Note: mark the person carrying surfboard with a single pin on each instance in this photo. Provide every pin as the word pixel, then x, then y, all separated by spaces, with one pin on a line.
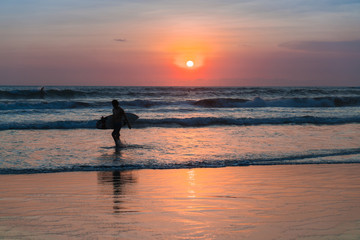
pixel 119 117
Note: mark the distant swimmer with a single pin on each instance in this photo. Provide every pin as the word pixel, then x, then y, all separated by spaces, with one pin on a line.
pixel 119 117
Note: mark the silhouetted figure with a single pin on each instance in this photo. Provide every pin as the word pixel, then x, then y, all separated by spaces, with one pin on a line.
pixel 42 92
pixel 119 117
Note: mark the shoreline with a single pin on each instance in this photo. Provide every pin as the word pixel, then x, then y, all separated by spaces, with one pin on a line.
pixel 90 169
pixel 256 202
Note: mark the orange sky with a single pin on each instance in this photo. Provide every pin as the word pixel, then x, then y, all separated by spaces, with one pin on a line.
pixel 232 43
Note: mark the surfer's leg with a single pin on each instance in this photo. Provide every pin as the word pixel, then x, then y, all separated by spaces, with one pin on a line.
pixel 116 134
pixel 113 134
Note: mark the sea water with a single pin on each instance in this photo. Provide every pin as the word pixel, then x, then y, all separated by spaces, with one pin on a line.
pixel 179 127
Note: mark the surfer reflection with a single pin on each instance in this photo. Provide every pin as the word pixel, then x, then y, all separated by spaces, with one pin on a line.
pixel 119 181
pixel 119 118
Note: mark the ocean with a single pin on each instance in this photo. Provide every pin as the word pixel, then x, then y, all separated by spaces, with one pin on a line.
pixel 179 127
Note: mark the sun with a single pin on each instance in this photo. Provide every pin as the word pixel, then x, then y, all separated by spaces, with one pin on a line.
pixel 189 64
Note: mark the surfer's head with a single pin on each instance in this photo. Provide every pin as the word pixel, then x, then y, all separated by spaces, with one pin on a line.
pixel 115 103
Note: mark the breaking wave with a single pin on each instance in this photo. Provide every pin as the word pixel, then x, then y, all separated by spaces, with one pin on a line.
pixel 185 122
pixel 320 102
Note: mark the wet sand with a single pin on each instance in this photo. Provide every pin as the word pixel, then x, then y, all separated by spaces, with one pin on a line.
pixel 255 202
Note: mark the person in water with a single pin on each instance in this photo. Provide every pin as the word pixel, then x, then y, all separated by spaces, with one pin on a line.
pixel 119 117
pixel 42 92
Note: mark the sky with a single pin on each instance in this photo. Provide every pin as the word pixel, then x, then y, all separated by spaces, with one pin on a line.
pixel 147 43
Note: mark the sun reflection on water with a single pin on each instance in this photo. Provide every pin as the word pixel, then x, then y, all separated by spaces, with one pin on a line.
pixel 191 183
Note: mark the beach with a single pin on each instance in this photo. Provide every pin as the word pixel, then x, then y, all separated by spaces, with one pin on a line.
pixel 250 202
pixel 199 163
pixel 185 120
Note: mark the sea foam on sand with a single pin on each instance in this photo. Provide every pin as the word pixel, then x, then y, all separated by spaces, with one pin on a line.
pixel 254 202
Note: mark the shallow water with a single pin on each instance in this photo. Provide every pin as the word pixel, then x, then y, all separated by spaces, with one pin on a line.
pixel 253 202
pixel 31 151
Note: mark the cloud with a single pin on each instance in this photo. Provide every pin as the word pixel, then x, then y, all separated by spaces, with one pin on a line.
pixel 323 46
pixel 120 40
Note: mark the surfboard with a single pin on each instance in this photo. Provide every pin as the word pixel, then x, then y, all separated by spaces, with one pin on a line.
pixel 107 122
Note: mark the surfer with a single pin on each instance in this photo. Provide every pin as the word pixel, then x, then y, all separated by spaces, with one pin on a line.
pixel 42 92
pixel 119 117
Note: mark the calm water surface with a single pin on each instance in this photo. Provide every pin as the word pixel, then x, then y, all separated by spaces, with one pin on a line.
pixel 254 202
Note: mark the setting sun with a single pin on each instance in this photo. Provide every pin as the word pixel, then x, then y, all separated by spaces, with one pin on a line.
pixel 188 54
pixel 189 64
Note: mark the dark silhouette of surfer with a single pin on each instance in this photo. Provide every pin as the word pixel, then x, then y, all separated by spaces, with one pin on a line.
pixel 42 92
pixel 119 117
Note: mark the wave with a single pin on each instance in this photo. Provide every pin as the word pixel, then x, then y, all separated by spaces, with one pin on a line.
pixel 62 104
pixel 282 102
pixel 212 121
pixel 185 122
pixel 322 102
pixel 37 94
pixel 97 92
pixel 46 105
pixel 141 92
pixel 49 125
pixel 310 158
